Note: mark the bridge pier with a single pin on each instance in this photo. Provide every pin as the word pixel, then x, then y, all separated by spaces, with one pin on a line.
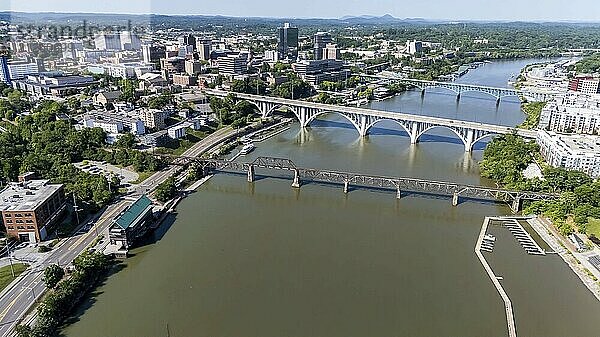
pixel 469 141
pixel 516 205
pixel 455 199
pixel 363 126
pixel 458 97
pixel 251 173
pixel 296 182
pixel 346 186
pixel 398 193
pixel 413 133
pixel 497 101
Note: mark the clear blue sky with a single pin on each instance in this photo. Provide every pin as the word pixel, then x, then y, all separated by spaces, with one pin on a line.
pixel 550 10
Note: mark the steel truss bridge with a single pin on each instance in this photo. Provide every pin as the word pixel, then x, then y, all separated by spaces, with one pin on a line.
pixel 347 179
pixel 457 88
pixel 364 119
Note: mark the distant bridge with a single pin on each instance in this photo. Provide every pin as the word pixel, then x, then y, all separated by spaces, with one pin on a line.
pixel 457 88
pixel 399 184
pixel 364 119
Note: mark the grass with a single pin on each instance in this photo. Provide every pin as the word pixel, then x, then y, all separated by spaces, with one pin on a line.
pixel 6 276
pixel 142 176
pixel 593 227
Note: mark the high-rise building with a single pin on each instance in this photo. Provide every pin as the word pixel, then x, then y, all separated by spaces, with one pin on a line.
pixel 130 41
pixel 193 67
pixel 331 52
pixel 20 69
pixel 287 41
pixel 187 40
pixel 585 84
pixel 104 41
pixel 232 65
pixel 321 40
pixel 4 73
pixel 572 152
pixel 153 53
pixel 204 47
pixel 413 47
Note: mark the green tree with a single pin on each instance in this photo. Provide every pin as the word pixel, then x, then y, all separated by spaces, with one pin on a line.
pixel 52 275
pixel 166 190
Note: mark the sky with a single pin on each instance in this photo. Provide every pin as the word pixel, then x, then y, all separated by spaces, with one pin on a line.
pixel 525 10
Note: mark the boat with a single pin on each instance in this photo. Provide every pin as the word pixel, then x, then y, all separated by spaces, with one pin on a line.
pixel 489 237
pixel 247 148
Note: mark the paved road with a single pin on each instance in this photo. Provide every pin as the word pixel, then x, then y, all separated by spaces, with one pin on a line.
pixel 16 300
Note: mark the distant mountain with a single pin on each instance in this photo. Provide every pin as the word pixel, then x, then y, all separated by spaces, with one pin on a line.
pixel 384 19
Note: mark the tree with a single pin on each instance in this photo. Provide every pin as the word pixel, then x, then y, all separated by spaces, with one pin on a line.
pixel 125 141
pixel 166 190
pixel 52 275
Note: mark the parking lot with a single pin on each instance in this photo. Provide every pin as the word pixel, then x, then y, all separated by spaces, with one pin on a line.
pixel 94 167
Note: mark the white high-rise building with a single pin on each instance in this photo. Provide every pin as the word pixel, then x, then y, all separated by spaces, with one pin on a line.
pixel 20 69
pixel 572 113
pixel 130 41
pixel 104 41
pixel 572 152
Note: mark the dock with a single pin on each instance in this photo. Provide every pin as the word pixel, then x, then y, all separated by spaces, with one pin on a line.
pixel 510 318
pixel 524 239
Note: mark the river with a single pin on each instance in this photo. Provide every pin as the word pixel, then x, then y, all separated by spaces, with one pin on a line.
pixel 267 260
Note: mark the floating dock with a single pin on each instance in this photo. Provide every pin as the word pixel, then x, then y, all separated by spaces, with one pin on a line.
pixel 510 318
pixel 526 241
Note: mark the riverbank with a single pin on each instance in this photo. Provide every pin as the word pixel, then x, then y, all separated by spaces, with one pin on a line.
pixel 576 261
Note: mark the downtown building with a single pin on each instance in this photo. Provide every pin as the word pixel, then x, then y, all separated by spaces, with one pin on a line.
pixel 572 112
pixel 287 42
pixel 318 71
pixel 572 152
pixel 233 64
pixel 30 209
pixel 321 40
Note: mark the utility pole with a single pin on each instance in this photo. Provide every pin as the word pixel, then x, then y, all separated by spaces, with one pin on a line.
pixel 12 269
pixel 75 208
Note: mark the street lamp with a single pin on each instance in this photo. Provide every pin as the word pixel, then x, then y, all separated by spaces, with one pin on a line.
pixel 32 292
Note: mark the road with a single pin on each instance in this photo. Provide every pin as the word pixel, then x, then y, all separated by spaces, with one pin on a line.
pixel 21 295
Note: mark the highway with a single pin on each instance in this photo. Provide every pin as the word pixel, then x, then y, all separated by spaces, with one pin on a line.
pixel 22 294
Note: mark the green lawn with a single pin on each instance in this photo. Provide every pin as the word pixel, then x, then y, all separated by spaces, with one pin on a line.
pixel 593 227
pixel 6 275
pixel 142 176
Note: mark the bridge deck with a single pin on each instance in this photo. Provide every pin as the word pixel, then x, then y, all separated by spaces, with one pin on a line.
pixel 401 184
pixel 498 129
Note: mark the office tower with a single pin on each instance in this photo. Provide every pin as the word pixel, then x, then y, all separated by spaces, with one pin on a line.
pixel 203 47
pixel 4 73
pixel 130 41
pixel 321 39
pixel 287 41
pixel 105 41
pixel 331 52
pixel 413 47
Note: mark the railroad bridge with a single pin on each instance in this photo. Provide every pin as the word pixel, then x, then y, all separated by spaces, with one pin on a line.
pixel 457 88
pixel 364 119
pixel 400 184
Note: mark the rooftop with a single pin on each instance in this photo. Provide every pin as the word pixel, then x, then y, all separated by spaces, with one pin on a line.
pixel 129 216
pixel 26 196
pixel 586 145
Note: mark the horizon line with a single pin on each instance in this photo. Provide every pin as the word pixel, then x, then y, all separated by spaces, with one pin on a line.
pixel 342 18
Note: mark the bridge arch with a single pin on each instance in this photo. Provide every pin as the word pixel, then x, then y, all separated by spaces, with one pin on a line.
pixel 369 126
pixel 421 133
pixel 436 86
pixel 277 106
pixel 314 116
pixel 465 90
pixel 476 140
